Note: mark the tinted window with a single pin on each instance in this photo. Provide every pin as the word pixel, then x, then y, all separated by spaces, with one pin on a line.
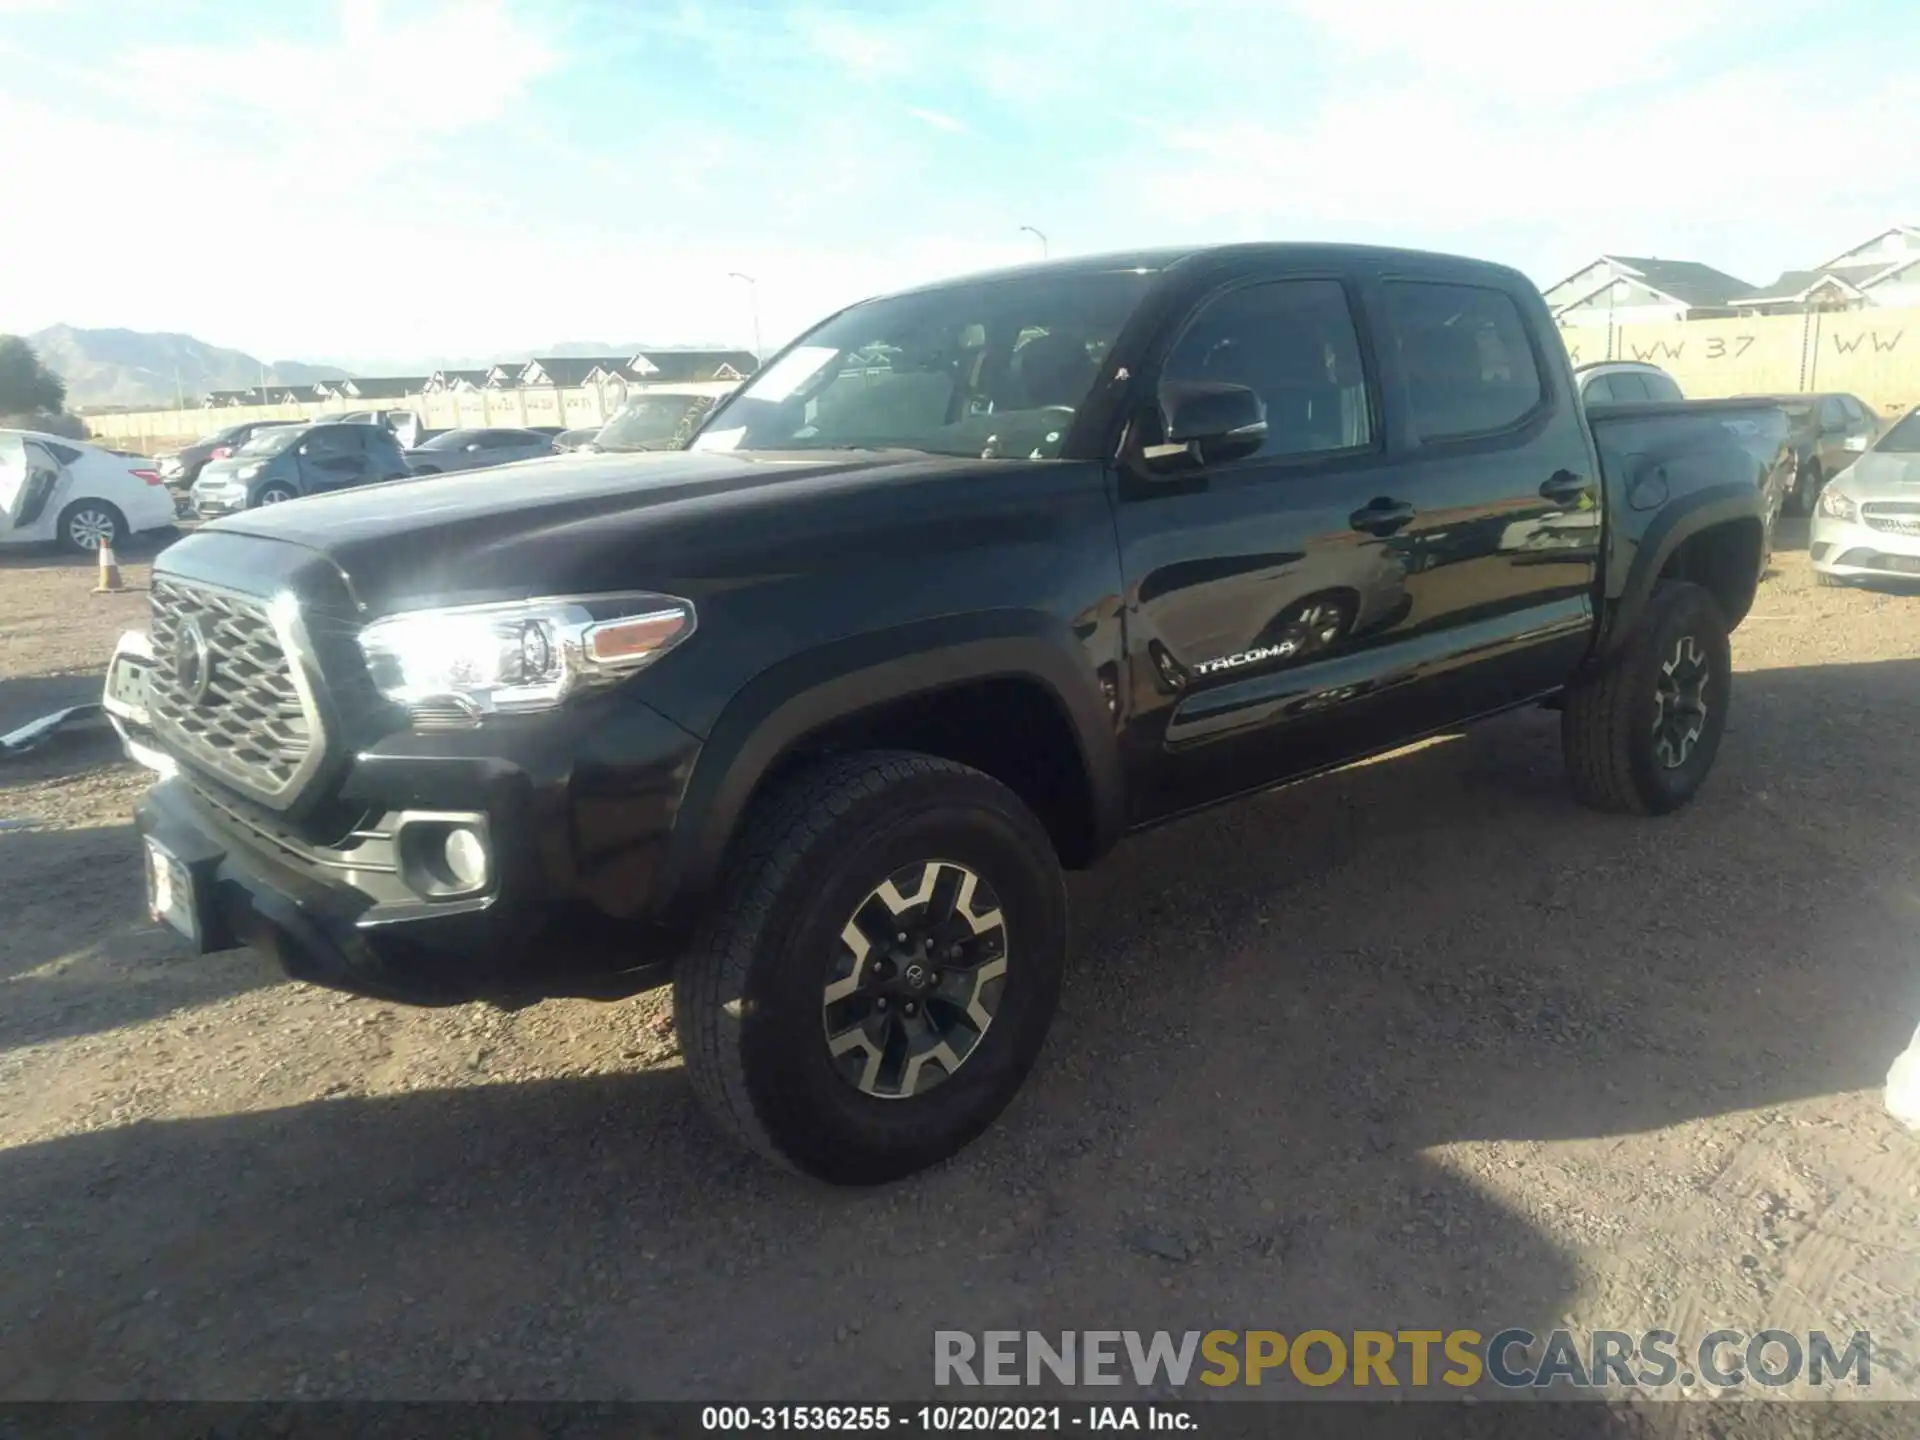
pixel 1661 387
pixel 1599 391
pixel 334 440
pixel 508 440
pixel 1292 342
pixel 1831 415
pixel 452 440
pixel 1464 352
pixel 1855 409
pixel 65 454
pixel 1629 389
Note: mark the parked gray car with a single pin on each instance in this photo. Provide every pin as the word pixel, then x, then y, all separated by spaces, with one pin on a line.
pixel 1866 523
pixel 477 449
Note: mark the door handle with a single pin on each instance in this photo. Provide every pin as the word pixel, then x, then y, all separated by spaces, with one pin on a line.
pixel 1563 487
pixel 1381 517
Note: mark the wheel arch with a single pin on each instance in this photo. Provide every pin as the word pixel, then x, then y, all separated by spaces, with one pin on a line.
pixel 928 686
pixel 1714 536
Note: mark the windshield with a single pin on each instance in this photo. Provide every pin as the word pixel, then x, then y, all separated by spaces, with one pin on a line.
pixel 654 422
pixel 992 368
pixel 452 440
pixel 1904 437
pixel 271 442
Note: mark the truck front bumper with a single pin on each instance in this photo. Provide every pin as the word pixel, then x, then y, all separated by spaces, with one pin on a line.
pixel 563 903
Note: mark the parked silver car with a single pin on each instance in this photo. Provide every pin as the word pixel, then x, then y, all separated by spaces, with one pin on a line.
pixel 477 449
pixel 1866 522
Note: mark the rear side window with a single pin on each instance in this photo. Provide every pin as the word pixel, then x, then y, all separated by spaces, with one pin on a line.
pixel 1630 389
pixel 1464 352
pixel 1293 343
pixel 1831 413
pixel 1599 391
pixel 1660 387
pixel 65 454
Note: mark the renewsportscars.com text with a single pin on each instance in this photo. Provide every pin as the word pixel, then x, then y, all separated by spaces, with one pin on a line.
pixel 1513 1358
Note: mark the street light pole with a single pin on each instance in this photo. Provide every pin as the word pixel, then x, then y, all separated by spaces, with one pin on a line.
pixel 753 303
pixel 1038 236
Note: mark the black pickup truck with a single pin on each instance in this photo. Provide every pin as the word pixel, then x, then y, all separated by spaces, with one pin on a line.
pixel 962 587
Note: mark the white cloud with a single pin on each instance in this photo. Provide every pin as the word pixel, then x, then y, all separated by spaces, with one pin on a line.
pixel 395 79
pixel 938 120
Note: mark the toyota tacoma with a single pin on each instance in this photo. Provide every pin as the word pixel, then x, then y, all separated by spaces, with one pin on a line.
pixel 962 587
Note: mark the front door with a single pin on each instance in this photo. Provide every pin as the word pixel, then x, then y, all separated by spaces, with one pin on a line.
pixel 1262 603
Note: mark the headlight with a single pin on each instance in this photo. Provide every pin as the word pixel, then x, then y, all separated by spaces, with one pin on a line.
pixel 527 655
pixel 1838 505
pixel 248 471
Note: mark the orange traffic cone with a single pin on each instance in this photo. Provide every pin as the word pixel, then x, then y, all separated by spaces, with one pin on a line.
pixel 109 572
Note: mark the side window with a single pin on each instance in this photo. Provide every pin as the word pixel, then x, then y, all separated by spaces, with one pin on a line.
pixel 503 439
pixel 1599 391
pixel 1293 343
pixel 1464 352
pixel 65 454
pixel 1630 389
pixel 1832 417
pixel 1855 410
pixel 1660 387
pixel 324 444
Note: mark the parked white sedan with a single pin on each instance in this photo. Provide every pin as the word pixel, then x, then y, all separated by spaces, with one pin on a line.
pixel 75 494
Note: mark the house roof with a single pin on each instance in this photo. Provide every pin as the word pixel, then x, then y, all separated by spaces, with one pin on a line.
pixel 383 387
pixel 682 366
pixel 1909 230
pixel 1797 284
pixel 447 379
pixel 565 370
pixel 1685 280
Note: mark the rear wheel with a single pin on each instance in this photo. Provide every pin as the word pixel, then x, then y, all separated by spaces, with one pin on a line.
pixel 1641 736
pixel 879 974
pixel 86 525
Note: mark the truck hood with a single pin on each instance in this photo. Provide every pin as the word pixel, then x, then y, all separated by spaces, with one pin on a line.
pixel 1881 475
pixel 562 524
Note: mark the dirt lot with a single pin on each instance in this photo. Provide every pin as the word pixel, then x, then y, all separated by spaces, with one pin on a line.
pixel 1420 1044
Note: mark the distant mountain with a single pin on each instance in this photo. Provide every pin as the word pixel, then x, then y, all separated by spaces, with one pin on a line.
pixel 132 367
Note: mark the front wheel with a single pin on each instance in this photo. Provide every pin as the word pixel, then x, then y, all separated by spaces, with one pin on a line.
pixel 1641 736
pixel 86 525
pixel 275 494
pixel 880 971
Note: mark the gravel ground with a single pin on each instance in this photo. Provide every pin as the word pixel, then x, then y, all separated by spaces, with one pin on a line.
pixel 1419 1044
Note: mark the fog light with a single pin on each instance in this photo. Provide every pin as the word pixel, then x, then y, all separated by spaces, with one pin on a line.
pixel 465 854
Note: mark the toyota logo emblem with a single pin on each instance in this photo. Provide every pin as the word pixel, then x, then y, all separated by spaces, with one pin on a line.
pixel 192 661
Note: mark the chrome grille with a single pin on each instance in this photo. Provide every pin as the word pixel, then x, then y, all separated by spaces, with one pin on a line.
pixel 249 724
pixel 1893 519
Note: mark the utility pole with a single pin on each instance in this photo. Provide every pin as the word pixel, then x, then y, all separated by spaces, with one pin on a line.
pixel 1028 229
pixel 753 303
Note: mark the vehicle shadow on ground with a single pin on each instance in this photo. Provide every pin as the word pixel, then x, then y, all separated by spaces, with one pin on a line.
pixel 1284 1023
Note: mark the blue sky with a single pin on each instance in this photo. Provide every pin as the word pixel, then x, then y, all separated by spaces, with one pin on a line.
pixel 377 179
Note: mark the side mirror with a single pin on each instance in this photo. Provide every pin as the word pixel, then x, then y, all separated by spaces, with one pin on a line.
pixel 1207 423
pixel 472 445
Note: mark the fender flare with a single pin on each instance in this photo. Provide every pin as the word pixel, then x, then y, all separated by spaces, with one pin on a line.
pixel 800 695
pixel 1677 522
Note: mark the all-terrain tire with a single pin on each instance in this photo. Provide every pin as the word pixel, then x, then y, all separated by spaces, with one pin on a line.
pixel 748 994
pixel 1609 728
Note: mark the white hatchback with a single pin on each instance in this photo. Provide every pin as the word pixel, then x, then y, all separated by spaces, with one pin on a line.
pixel 75 494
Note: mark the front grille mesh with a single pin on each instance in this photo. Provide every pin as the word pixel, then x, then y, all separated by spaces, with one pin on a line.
pixel 250 727
pixel 1893 519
